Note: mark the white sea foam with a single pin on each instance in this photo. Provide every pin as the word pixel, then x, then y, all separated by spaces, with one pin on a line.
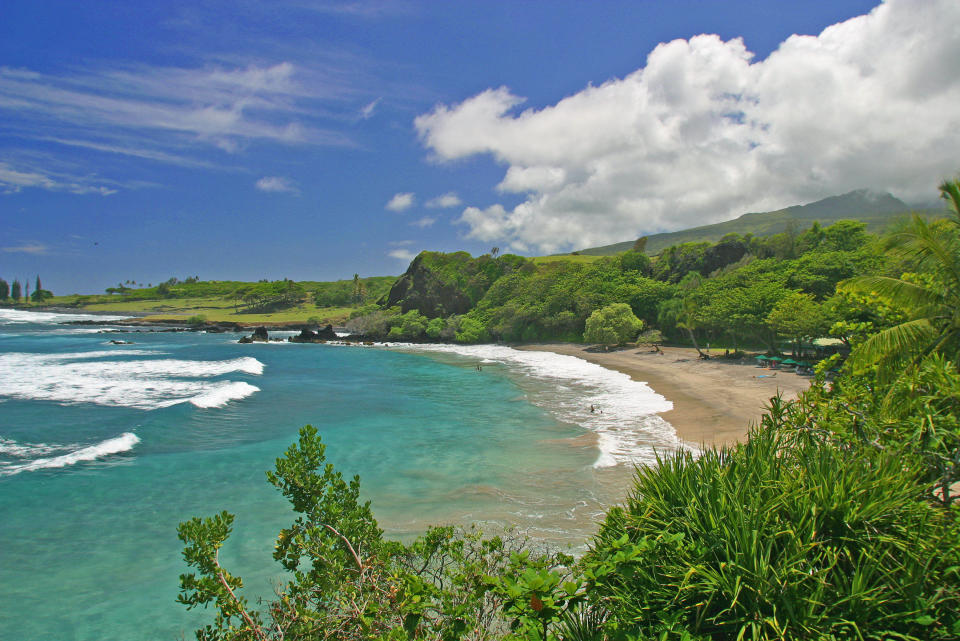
pixel 90 377
pixel 222 393
pixel 29 450
pixel 123 443
pixel 19 317
pixel 626 422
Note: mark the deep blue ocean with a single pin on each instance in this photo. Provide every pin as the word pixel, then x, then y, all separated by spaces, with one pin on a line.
pixel 105 448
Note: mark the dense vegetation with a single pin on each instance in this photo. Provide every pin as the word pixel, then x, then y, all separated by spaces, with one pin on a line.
pixel 737 291
pixel 835 520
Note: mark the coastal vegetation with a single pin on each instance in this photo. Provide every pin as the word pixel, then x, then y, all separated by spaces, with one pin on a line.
pixel 740 291
pixel 836 519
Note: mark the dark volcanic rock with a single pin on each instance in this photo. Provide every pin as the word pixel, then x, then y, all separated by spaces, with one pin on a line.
pixel 319 336
pixel 421 289
pixel 259 336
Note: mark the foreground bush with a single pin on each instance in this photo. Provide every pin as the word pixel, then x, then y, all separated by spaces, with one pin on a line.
pixel 789 536
pixel 345 581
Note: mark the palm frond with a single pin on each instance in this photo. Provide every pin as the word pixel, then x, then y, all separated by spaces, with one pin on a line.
pixel 928 247
pixel 950 191
pixel 894 346
pixel 902 293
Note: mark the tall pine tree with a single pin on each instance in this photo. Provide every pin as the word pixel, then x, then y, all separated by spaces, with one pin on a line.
pixel 4 290
pixel 15 290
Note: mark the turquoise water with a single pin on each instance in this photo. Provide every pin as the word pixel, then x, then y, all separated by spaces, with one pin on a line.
pixel 105 448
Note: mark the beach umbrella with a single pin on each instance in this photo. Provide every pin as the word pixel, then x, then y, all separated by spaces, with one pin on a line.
pixel 789 361
pixel 776 359
pixel 804 364
pixel 762 357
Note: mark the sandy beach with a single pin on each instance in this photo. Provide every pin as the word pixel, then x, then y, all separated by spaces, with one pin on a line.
pixel 714 401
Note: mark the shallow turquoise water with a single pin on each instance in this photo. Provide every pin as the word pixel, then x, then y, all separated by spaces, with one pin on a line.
pixel 104 451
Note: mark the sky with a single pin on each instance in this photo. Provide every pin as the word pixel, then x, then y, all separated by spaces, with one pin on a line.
pixel 244 140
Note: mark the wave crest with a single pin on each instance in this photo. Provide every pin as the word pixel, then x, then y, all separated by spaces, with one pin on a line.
pixel 123 443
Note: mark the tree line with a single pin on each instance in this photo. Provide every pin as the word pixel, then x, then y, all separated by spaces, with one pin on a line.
pixel 740 291
pixel 18 292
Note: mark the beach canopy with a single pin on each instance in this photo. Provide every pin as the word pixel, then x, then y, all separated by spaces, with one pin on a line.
pixel 762 357
pixel 789 361
pixel 804 364
pixel 774 358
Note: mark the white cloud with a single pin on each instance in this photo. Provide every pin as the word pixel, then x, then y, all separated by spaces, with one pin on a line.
pixel 156 108
pixel 444 201
pixel 13 180
pixel 401 201
pixel 400 243
pixel 422 223
pixel 27 248
pixel 402 254
pixel 277 184
pixel 367 111
pixel 703 132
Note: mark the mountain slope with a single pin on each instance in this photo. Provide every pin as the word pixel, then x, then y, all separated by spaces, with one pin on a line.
pixel 877 210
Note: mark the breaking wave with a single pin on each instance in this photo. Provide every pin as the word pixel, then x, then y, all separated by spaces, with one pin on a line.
pixel 123 443
pixel 626 422
pixel 93 377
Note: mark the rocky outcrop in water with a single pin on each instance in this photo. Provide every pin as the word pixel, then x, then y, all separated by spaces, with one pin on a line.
pixel 319 336
pixel 259 336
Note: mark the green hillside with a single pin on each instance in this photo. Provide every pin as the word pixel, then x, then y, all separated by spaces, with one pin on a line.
pixel 878 211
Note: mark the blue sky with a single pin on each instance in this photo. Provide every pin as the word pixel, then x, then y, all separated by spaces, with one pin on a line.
pixel 308 140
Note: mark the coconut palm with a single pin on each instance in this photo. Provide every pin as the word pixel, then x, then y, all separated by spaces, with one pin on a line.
pixel 931 297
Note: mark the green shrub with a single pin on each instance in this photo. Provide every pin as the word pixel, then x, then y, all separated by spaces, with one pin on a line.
pixel 788 536
pixel 613 325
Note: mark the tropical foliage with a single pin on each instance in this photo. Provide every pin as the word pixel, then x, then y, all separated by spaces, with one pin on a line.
pixel 930 291
pixel 836 519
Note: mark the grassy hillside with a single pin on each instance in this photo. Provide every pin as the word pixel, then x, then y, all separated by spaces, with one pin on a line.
pixel 236 301
pixel 878 211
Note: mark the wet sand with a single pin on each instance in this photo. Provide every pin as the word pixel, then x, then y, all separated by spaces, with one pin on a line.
pixel 714 401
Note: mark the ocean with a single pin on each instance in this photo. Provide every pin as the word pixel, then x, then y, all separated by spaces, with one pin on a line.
pixel 105 448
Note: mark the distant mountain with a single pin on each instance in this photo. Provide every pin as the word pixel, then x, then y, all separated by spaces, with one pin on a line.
pixel 876 209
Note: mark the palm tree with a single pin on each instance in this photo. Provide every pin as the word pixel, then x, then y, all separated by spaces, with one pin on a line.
pixel 932 297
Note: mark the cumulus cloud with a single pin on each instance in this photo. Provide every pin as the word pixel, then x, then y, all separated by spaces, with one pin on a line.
pixel 400 202
pixel 277 184
pixel 704 132
pixel 445 201
pixel 402 254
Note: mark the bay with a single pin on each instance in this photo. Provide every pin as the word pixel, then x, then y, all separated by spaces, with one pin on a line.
pixel 105 448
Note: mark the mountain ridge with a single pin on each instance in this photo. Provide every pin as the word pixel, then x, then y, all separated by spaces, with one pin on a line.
pixel 877 209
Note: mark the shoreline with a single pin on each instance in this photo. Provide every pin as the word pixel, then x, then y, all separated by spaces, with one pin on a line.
pixel 714 401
